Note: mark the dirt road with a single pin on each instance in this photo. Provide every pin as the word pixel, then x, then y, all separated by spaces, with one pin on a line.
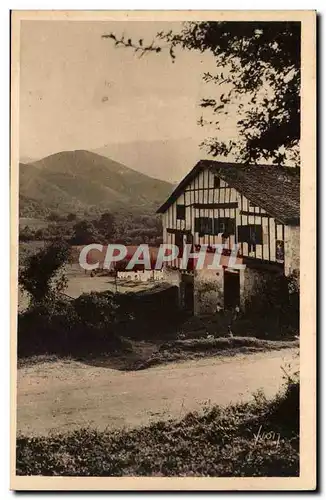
pixel 66 395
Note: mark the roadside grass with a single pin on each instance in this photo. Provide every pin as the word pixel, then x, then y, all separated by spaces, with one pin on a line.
pixel 180 350
pixel 141 355
pixel 225 343
pixel 260 438
pixel 39 359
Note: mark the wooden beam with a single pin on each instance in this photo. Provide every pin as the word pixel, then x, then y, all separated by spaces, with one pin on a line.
pixel 254 214
pixel 253 263
pixel 177 231
pixel 216 205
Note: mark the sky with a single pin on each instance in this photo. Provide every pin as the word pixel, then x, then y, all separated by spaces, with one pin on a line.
pixel 77 91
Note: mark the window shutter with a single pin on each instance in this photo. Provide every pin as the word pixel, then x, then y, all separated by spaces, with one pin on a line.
pixel 178 241
pixel 243 234
pixel 259 234
pixel 230 226
pixel 208 225
pixel 216 227
pixel 181 212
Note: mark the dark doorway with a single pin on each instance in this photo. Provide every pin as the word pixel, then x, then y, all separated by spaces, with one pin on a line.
pixel 231 289
pixel 189 296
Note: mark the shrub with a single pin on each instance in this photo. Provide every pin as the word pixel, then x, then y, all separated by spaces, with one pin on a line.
pixel 275 306
pixel 41 276
pixel 46 327
pixel 85 233
pixel 61 326
pixel 97 310
pixel 26 234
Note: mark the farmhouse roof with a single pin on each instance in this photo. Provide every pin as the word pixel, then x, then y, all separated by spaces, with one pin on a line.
pixel 274 188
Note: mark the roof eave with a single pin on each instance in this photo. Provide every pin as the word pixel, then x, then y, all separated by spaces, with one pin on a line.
pixel 173 196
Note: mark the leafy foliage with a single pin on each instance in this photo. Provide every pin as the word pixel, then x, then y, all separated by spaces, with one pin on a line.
pixel 126 228
pixel 26 234
pixel 84 233
pixel 258 70
pixel 100 310
pixel 105 225
pixel 85 326
pixel 277 299
pixel 41 276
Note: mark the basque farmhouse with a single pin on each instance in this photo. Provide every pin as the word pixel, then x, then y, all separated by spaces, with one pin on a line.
pixel 256 207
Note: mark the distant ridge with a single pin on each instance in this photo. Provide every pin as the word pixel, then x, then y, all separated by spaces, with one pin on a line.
pixel 80 181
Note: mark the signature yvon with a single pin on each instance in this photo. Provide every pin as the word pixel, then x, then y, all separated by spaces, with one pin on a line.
pixel 267 436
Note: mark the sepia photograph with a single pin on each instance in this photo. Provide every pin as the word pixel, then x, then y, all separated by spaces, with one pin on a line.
pixel 163 198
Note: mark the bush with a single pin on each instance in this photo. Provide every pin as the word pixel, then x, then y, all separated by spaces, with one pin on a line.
pixel 284 411
pixel 46 327
pixel 26 234
pixel 94 323
pixel 97 310
pixel 275 307
pixel 61 326
pixel 85 233
pixel 42 275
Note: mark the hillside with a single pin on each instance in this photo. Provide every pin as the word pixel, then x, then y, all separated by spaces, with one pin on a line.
pixel 81 181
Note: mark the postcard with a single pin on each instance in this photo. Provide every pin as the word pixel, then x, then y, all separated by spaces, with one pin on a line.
pixel 163 250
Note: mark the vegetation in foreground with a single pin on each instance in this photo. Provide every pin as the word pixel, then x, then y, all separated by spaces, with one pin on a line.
pixel 260 438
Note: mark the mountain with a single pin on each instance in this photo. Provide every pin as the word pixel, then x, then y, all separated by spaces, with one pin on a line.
pixel 82 181
pixel 26 159
pixel 169 160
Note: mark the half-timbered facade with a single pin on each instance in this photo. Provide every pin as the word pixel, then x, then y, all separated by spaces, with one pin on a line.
pixel 255 207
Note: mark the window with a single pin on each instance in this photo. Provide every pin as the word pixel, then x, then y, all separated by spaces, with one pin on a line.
pixel 217 181
pixel 204 225
pixel 179 242
pixel 207 225
pixel 181 212
pixel 251 234
pixel 224 225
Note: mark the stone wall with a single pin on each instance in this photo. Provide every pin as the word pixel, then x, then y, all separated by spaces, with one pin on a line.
pixel 209 288
pixel 255 282
pixel 173 276
pixel 208 291
pixel 291 249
